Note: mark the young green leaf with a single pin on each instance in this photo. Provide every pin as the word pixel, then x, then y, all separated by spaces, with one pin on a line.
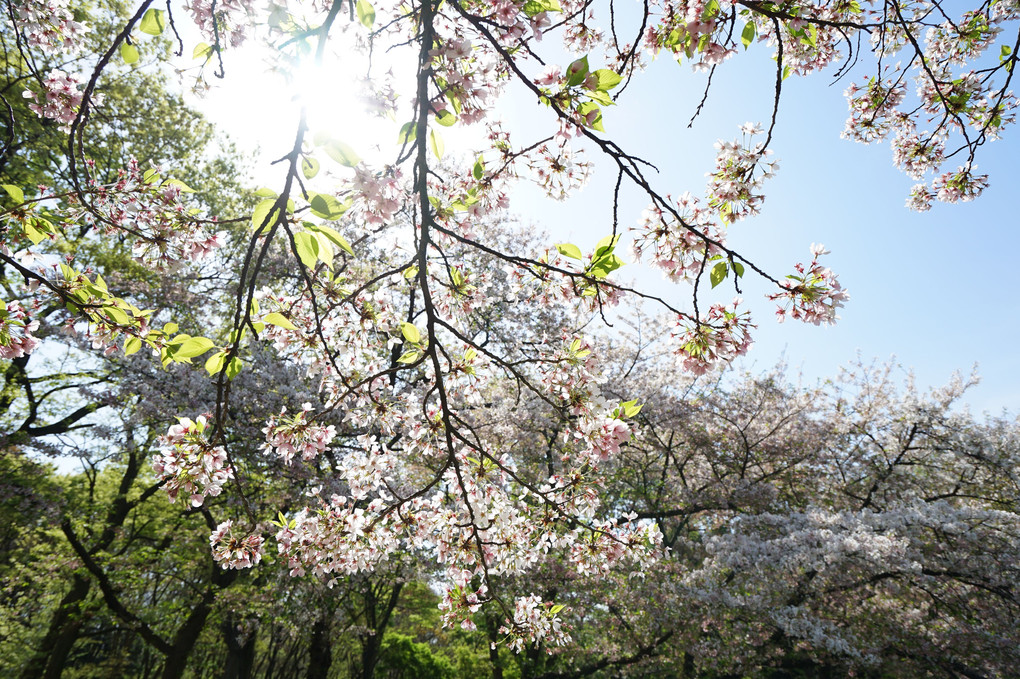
pixel 153 22
pixel 309 167
pixel 747 35
pixel 129 53
pixel 196 346
pixel 365 12
pixel 410 333
pixel 261 217
pixel 14 192
pixel 203 51
pixel 332 235
pixel 408 132
pixel 436 144
pixel 278 319
pixel 569 250
pixel 445 118
pixel 607 79
pixel 131 345
pixel 307 247
pixel 214 364
pixel 342 153
pixel 718 274
pixel 327 207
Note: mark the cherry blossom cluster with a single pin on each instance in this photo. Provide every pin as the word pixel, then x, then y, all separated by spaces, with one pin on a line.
pixel 229 23
pixel 288 436
pixel 535 621
pixel 380 194
pixel 949 187
pixel 151 208
pixel 873 112
pixel 188 462
pixel 461 601
pixel 16 339
pixel 678 251
pixel 813 294
pixel 688 27
pixel 559 170
pixel 49 25
pixel 719 336
pixel 734 187
pixel 918 154
pixel 338 538
pixel 61 100
pixel 470 79
pixel 235 551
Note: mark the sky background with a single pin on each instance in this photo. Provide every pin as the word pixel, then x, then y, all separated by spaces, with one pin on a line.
pixel 936 291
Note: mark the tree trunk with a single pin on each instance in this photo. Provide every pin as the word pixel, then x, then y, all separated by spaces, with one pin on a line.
pixel 240 650
pixel 49 658
pixel 320 652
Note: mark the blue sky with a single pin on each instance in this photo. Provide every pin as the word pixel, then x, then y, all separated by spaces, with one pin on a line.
pixel 937 291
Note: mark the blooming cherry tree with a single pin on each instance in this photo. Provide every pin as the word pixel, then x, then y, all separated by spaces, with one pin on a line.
pixel 397 301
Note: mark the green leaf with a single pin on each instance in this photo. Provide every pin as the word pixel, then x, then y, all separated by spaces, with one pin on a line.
pixel 234 367
pixel 278 319
pixel 738 269
pixel 327 207
pixel 436 144
pixel 556 609
pixel 535 7
pixel 365 12
pixel 342 153
pixel 131 345
pixel 196 346
pixel 326 252
pixel 606 245
pixel 14 192
pixel 179 184
pixel 747 35
pixel 118 316
pixel 718 274
pixel 605 265
pixel 265 192
pixel 129 53
pixel 577 72
pixel 408 133
pixel 307 247
pixel 153 22
pixel 309 167
pixel 409 356
pixel 203 51
pixel 607 79
pixel 478 171
pixel 586 108
pixel 333 236
pixel 261 217
pixel 410 333
pixel 569 250
pixel 445 118
pixel 215 362
pixel 631 408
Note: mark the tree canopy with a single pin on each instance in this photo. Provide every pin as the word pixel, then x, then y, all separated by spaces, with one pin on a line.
pixel 363 422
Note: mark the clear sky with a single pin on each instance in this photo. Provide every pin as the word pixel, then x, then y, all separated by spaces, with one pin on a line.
pixel 937 291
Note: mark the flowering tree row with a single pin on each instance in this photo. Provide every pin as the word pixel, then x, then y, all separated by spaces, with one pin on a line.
pixel 405 298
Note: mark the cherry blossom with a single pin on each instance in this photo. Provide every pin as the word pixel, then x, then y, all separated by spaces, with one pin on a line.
pixel 188 462
pixel 232 551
